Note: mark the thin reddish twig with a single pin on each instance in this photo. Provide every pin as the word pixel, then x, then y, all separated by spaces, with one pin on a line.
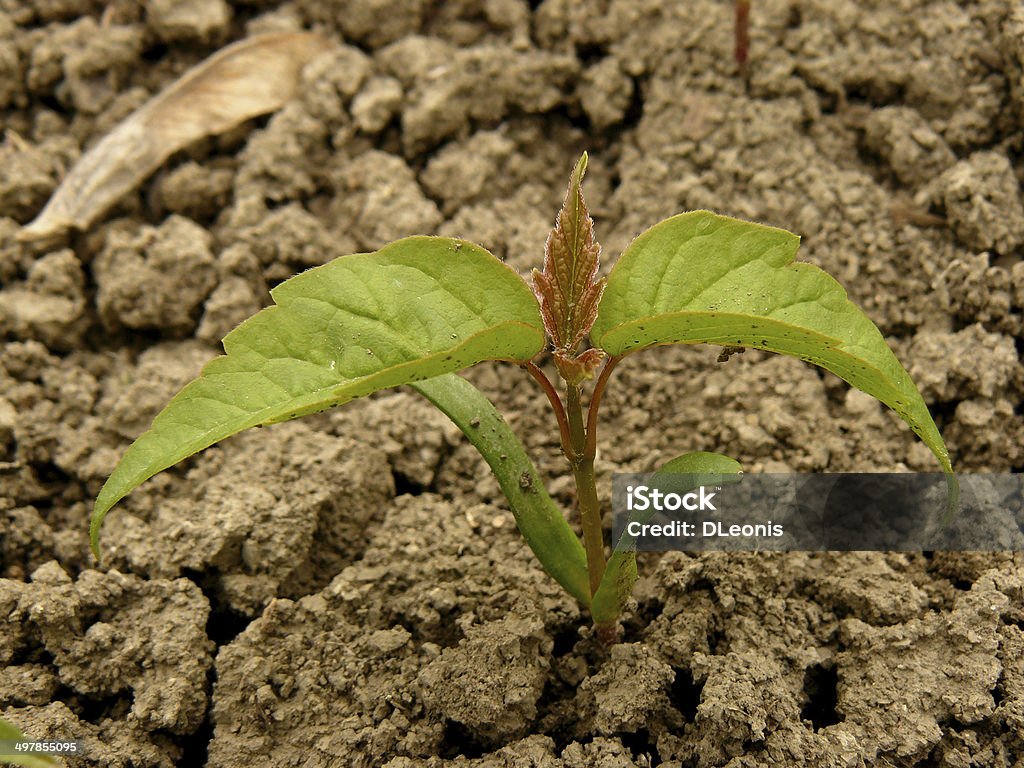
pixel 554 399
pixel 741 34
pixel 590 449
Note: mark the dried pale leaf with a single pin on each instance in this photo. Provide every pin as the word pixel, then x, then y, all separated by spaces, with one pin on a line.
pixel 246 79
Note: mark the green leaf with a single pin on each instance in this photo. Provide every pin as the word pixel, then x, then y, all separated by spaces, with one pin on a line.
pixel 9 733
pixel 699 277
pixel 689 471
pixel 417 308
pixel 539 520
pixel 703 464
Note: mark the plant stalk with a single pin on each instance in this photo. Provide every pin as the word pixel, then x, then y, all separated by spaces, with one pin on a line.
pixel 595 404
pixel 581 458
pixel 554 399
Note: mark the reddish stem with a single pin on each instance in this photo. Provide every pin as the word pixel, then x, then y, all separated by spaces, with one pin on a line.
pixel 742 34
pixel 554 399
pixel 595 402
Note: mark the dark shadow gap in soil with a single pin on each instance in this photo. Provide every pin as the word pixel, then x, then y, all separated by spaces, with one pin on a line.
pixel 459 742
pixel 875 95
pixel 795 17
pixel 821 687
pixel 590 53
pixel 642 747
pixel 829 102
pixel 960 323
pixel 998 695
pixel 31 652
pixel 564 640
pixel 717 643
pixel 945 409
pixel 195 746
pixel 870 161
pixel 95 709
pixel 1011 622
pixel 404 485
pixel 932 759
pixel 571 115
pixel 1018 343
pixel 51 477
pixel 753 747
pixel 557 714
pixel 53 104
pixel 223 624
pixel 446 634
pixel 685 694
pixel 89 708
pixel 635 625
pixel 154 53
pixel 613 135
pixel 635 111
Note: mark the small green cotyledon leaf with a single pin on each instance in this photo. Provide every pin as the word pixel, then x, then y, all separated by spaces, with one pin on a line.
pixel 704 467
pixel 418 308
pixel 700 277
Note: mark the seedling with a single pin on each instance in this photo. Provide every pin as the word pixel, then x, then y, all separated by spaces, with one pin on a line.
pixel 422 308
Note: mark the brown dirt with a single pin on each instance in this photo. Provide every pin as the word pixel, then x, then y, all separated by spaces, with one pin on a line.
pixel 350 590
